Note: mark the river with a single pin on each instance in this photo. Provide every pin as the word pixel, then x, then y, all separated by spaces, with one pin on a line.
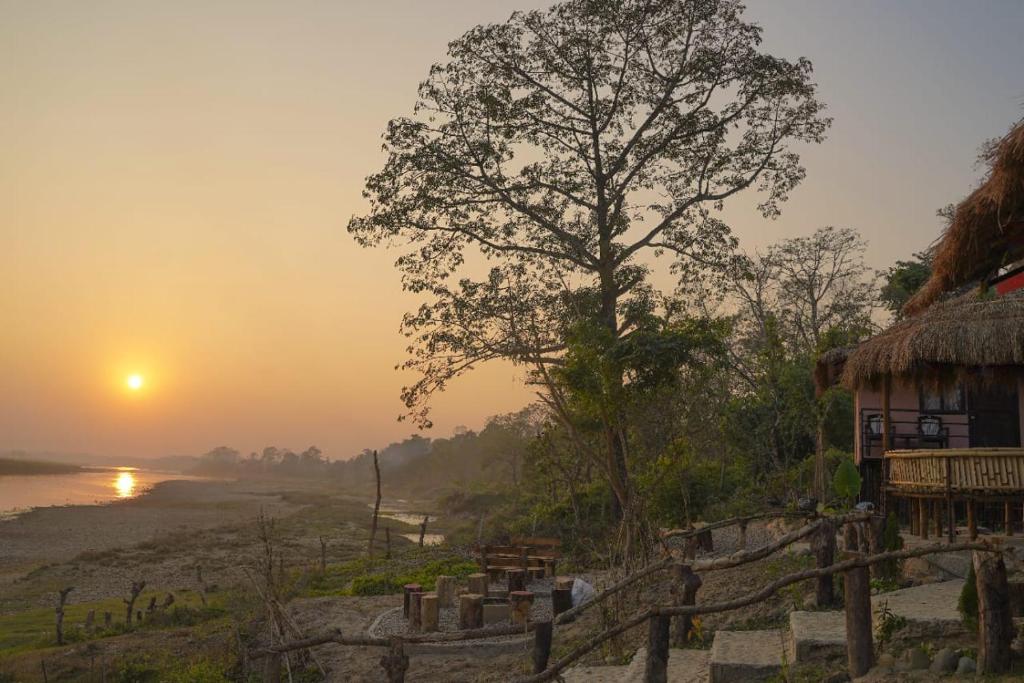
pixel 18 493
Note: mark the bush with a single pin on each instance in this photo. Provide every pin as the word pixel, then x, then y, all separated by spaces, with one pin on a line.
pixel 967 604
pixel 891 570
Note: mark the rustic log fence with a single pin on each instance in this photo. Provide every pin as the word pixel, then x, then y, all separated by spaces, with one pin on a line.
pixel 686 583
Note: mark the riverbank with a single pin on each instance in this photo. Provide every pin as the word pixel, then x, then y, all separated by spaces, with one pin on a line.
pixel 14 467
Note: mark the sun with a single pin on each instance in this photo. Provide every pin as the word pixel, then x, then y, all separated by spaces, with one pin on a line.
pixel 135 381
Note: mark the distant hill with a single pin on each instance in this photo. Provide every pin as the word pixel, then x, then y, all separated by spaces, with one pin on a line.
pixel 10 466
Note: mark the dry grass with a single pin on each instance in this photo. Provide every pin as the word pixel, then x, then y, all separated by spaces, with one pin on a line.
pixel 973 338
pixel 987 230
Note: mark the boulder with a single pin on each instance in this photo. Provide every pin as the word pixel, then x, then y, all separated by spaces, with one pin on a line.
pixel 945 661
pixel 966 665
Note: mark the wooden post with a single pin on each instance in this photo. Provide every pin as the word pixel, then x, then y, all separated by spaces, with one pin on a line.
pixel 685 585
pixel 886 442
pixel 743 534
pixel 542 645
pixel 415 613
pixel 376 507
pixel 521 603
pixel 937 516
pixel 1008 518
pixel 824 546
pixel 471 611
pixel 859 647
pixel 429 612
pixel 995 625
pixel 408 589
pixel 972 521
pixel 445 588
pixel 561 600
pixel 923 522
pixel 395 663
pixel 60 613
pixel 516 580
pixel 477 584
pixel 950 504
pixel 874 528
pixel 387 543
pixel 423 528
pixel 656 670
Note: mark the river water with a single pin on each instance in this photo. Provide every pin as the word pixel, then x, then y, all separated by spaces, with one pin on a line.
pixel 18 493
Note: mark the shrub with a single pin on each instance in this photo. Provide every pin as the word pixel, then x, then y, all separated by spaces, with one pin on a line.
pixel 846 481
pixel 891 540
pixel 967 604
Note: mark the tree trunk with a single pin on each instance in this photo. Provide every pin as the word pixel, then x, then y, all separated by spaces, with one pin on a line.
pixel 685 585
pixel 376 507
pixel 995 625
pixel 471 611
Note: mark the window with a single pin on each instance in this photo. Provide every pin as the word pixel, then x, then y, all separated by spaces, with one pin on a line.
pixel 946 400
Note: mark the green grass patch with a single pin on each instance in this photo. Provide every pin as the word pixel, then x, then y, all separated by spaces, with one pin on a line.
pixel 35 628
pixel 382 577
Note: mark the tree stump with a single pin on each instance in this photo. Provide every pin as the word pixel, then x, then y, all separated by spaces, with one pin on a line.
pixel 656 667
pixel 516 580
pixel 565 582
pixel 409 589
pixel 445 588
pixel 561 600
pixel 685 585
pixel 859 646
pixel 478 584
pixel 541 646
pixel 995 625
pixel 471 611
pixel 521 603
pixel 824 546
pixel 415 613
pixel 108 619
pixel 429 603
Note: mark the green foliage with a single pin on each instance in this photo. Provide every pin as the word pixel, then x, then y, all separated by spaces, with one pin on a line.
pixel 967 603
pixel 903 280
pixel 168 669
pixel 891 570
pixel 846 481
pixel 365 577
pixel 887 624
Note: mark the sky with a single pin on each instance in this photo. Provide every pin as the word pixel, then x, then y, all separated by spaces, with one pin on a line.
pixel 176 178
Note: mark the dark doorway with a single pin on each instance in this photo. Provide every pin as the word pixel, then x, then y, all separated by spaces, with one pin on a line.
pixel 995 417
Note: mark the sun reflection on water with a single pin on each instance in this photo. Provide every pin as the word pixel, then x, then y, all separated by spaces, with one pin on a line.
pixel 124 484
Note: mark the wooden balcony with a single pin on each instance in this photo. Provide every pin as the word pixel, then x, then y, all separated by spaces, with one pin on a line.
pixel 978 472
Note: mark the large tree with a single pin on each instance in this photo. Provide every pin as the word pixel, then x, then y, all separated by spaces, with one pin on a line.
pixel 548 154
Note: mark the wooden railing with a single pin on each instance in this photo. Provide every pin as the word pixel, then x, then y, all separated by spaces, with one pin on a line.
pixel 957 470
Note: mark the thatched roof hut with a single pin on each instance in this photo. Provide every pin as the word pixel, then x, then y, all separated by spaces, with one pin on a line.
pixel 987 231
pixel 974 336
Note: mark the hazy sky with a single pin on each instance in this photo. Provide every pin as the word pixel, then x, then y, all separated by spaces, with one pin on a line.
pixel 176 177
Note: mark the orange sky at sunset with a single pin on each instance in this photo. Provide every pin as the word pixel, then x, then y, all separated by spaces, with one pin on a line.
pixel 177 177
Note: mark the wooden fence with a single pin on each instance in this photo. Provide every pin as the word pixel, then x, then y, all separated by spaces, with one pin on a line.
pixel 993 643
pixel 983 471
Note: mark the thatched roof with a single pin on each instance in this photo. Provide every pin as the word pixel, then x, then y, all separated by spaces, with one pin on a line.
pixel 987 230
pixel 976 335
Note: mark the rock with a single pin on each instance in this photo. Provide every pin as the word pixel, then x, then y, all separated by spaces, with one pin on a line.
pixel 916 658
pixel 887 660
pixel 918 570
pixel 945 661
pixel 966 665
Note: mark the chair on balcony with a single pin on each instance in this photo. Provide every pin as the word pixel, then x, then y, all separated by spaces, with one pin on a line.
pixel 930 433
pixel 872 431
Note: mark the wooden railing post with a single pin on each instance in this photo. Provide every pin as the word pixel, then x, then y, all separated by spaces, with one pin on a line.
pixel 922 517
pixel 656 670
pixel 541 645
pixel 950 505
pixel 823 543
pixel 995 624
pixel 972 521
pixel 859 647
pixel 395 663
pixel 685 585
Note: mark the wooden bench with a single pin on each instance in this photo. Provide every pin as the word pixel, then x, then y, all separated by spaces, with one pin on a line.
pixel 537 555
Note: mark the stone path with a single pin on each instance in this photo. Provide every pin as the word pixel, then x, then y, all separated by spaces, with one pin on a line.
pixel 739 656
pixel 684 666
pixel 930 605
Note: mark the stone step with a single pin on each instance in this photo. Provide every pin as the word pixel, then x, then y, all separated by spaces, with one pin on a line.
pixel 684 666
pixel 740 656
pixel 816 636
pixel 930 610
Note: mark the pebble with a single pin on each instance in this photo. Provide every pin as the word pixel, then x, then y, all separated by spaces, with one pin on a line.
pixel 945 661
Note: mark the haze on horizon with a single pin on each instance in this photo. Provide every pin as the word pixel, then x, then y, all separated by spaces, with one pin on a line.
pixel 177 177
